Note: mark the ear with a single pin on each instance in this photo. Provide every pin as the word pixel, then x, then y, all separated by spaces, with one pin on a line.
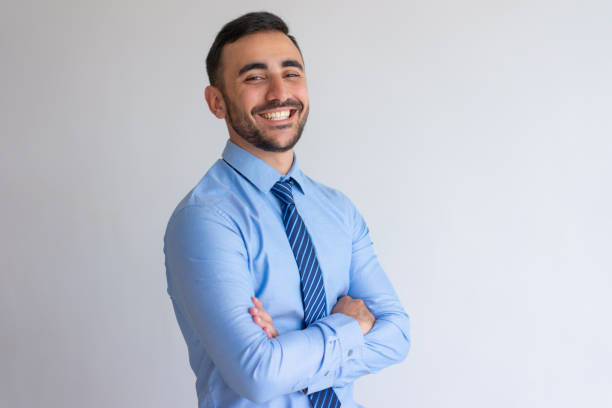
pixel 215 101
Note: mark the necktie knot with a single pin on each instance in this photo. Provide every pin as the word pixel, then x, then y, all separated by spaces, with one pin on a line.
pixel 282 191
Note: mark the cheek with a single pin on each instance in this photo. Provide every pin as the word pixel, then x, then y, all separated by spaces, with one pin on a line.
pixel 249 100
pixel 301 93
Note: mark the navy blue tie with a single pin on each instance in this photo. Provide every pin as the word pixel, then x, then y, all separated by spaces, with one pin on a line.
pixel 311 278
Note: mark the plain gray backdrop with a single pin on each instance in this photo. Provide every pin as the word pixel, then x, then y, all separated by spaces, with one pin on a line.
pixel 474 136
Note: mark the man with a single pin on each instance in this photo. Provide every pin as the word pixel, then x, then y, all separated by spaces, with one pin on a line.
pixel 272 276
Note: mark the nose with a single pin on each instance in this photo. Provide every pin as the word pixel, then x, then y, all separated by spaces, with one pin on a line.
pixel 277 89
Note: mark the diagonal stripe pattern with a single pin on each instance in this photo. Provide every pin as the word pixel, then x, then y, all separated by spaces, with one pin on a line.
pixel 311 278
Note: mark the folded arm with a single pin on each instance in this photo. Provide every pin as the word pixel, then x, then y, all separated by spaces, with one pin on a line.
pixel 346 305
pixel 388 341
pixel 210 283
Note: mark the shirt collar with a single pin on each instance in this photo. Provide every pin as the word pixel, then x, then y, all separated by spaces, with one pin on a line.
pixel 258 172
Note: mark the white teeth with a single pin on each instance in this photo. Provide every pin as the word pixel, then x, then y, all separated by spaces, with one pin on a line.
pixel 276 115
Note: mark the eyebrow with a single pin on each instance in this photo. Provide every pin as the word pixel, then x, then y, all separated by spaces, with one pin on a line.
pixel 261 65
pixel 252 65
pixel 292 63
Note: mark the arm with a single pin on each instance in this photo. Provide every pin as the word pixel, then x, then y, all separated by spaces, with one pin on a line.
pixel 210 282
pixel 388 341
pixel 354 308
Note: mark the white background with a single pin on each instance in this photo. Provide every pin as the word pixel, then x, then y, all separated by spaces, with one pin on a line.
pixel 474 136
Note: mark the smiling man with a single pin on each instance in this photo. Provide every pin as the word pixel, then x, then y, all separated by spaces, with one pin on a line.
pixel 272 275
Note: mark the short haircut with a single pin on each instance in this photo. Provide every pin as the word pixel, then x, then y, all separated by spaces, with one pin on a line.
pixel 249 23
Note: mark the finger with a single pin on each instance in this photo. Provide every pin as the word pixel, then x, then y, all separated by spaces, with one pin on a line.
pixel 270 332
pixel 260 310
pixel 261 317
pixel 258 319
pixel 260 322
pixel 264 315
pixel 263 323
pixel 257 302
pixel 267 331
pixel 266 327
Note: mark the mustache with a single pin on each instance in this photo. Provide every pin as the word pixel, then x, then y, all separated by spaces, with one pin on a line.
pixel 289 103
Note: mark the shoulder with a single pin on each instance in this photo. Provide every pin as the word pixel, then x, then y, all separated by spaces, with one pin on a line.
pixel 332 196
pixel 211 199
pixel 206 223
pixel 340 206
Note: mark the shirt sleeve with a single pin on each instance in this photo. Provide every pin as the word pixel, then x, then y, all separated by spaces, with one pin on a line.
pixel 388 341
pixel 211 286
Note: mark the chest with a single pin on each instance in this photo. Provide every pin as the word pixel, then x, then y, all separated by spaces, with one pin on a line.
pixel 272 263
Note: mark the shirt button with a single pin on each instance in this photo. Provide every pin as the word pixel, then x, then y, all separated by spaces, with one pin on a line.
pixel 326 373
pixel 350 353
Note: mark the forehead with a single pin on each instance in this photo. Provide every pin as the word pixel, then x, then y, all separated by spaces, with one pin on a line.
pixel 269 47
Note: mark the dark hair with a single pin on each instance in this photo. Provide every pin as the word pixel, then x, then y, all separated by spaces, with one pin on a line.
pixel 249 23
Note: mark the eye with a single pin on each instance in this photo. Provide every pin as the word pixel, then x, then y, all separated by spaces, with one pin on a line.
pixel 254 78
pixel 292 75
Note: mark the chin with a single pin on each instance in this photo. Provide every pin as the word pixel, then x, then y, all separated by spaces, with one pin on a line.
pixel 278 144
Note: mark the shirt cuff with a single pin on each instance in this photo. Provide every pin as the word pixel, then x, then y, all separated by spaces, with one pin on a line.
pixel 343 341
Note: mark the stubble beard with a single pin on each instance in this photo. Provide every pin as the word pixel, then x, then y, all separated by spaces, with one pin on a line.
pixel 244 127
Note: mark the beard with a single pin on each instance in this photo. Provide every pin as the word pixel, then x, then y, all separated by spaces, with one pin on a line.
pixel 244 126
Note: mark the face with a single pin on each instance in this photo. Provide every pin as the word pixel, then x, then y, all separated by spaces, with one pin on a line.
pixel 264 91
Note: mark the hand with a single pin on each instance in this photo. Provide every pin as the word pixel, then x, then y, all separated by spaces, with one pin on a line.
pixel 262 318
pixel 356 309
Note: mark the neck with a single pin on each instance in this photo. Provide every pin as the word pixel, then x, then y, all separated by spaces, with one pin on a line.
pixel 279 161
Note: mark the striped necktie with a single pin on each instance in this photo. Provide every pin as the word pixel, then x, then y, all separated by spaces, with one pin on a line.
pixel 311 278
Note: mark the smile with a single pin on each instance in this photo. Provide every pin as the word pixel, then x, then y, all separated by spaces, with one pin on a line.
pixel 278 115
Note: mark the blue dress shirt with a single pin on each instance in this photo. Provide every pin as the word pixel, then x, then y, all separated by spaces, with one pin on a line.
pixel 226 242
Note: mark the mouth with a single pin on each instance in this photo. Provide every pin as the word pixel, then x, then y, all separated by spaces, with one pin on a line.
pixel 278 115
